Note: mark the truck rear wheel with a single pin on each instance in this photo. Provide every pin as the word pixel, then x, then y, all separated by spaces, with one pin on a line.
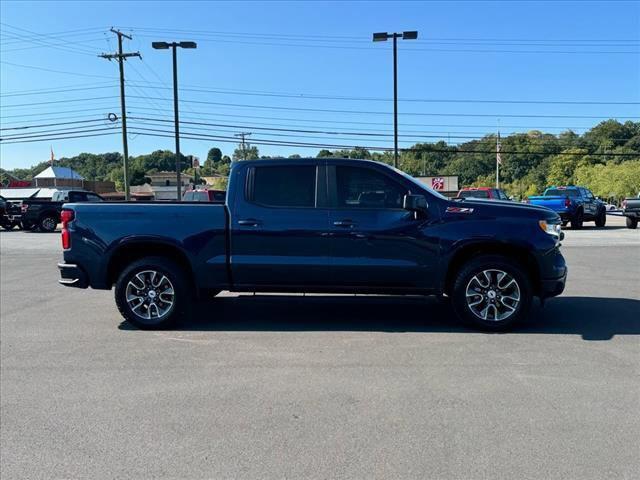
pixel 152 293
pixel 632 222
pixel 491 292
pixel 577 220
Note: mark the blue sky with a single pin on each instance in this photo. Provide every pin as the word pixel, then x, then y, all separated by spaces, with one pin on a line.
pixel 257 64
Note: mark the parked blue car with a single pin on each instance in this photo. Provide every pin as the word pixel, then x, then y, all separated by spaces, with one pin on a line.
pixel 574 204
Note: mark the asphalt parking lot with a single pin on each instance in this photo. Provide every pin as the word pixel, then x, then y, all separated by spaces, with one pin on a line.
pixel 321 386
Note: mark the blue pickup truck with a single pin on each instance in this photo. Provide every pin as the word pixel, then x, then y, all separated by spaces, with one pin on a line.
pixel 574 204
pixel 316 225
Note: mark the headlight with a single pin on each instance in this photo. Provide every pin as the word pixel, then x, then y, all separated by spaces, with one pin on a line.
pixel 554 229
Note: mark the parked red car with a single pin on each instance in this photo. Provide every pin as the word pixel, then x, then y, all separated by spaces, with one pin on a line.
pixel 215 196
pixel 483 192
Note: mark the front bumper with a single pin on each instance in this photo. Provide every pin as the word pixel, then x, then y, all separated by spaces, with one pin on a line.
pixel 554 281
pixel 71 275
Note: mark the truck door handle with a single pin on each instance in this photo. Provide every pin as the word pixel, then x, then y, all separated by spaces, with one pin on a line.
pixel 344 223
pixel 249 222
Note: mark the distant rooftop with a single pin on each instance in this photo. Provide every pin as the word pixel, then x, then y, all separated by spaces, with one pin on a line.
pixel 60 172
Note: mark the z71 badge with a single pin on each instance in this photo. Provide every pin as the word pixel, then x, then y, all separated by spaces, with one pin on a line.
pixel 459 210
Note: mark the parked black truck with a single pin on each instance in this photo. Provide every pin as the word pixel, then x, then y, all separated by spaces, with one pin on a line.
pixel 631 210
pixel 9 214
pixel 44 215
pixel 316 225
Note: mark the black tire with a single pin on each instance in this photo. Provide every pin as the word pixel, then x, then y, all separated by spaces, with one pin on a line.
pixel 577 220
pixel 632 223
pixel 601 219
pixel 144 316
pixel 565 223
pixel 48 223
pixel 27 226
pixel 464 281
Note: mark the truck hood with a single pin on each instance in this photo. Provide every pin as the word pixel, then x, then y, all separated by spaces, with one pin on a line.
pixel 505 208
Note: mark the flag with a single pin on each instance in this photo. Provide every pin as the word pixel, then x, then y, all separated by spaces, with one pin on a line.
pixel 53 157
pixel 498 158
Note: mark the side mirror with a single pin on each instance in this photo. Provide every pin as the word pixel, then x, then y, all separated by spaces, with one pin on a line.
pixel 415 203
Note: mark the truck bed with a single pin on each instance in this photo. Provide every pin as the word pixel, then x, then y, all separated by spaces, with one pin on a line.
pixel 198 229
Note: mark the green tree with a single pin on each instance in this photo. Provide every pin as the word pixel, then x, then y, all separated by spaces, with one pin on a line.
pixel 249 153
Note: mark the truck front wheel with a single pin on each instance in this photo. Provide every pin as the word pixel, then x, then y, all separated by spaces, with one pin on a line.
pixel 491 292
pixel 152 293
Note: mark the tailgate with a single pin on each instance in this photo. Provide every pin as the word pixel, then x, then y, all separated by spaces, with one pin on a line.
pixel 554 203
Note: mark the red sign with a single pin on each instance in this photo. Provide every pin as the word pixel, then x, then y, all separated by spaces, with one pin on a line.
pixel 437 183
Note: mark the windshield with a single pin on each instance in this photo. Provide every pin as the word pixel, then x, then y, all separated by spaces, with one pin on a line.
pixel 474 194
pixel 561 192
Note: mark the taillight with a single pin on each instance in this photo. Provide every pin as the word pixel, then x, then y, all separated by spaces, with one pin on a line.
pixel 66 216
pixel 567 202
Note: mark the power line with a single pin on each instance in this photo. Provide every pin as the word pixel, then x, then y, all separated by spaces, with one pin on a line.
pixel 197 136
pixel 53 124
pixel 305 96
pixel 107 109
pixel 58 138
pixel 327 110
pixel 365 37
pixel 36 38
pixel 59 101
pixel 50 70
pixel 408 49
pixel 338 121
pixel 60 90
pixel 65 131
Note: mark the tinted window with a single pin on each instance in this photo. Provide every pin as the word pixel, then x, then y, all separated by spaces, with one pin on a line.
pixel 93 198
pixel 219 196
pixel 366 188
pixel 555 192
pixel 286 186
pixel 474 194
pixel 503 196
pixel 188 197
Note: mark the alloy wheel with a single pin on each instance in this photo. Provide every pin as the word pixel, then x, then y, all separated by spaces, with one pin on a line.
pixel 493 295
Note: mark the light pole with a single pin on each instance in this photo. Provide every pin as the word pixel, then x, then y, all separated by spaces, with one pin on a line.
pixel 383 37
pixel 174 46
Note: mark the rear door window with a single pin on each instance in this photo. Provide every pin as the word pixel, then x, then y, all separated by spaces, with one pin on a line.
pixel 284 186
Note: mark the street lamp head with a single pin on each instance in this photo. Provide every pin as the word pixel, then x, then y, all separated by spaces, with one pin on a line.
pixel 187 44
pixel 380 37
pixel 409 35
pixel 160 45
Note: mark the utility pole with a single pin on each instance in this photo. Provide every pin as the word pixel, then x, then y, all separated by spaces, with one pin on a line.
pixel 121 57
pixel 243 146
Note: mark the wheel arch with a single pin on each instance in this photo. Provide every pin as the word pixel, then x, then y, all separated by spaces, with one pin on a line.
pixel 129 252
pixel 519 254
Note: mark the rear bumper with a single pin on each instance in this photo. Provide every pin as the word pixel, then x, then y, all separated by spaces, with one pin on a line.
pixel 71 275
pixel 631 213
